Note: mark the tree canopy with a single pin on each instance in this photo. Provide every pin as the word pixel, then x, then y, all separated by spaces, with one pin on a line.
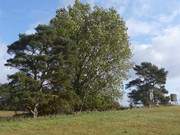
pixel 76 62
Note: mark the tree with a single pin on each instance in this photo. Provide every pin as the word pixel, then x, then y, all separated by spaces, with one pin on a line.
pixel 31 60
pixel 36 60
pixel 101 50
pixel 149 87
pixel 79 59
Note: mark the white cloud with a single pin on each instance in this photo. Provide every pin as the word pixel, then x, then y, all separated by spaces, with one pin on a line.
pixel 139 28
pixel 141 7
pixel 163 51
pixel 3 57
pixel 65 3
pixel 167 18
pixel 120 5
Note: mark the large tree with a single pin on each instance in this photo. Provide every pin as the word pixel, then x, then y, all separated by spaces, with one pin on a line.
pixel 82 54
pixel 101 50
pixel 31 59
pixel 149 86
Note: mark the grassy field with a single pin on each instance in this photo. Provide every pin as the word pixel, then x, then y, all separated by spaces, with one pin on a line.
pixel 156 121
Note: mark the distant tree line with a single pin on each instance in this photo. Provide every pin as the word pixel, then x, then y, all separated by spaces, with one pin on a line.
pixel 77 62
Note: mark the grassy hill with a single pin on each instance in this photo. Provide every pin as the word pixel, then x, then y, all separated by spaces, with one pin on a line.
pixel 156 121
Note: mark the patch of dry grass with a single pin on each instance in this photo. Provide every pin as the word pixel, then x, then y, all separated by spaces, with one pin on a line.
pixel 6 113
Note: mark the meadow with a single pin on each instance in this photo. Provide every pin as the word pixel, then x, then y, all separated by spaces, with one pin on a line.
pixel 155 121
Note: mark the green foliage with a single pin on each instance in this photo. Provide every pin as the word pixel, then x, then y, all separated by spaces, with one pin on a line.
pixel 100 49
pixel 150 77
pixel 76 62
pixel 4 95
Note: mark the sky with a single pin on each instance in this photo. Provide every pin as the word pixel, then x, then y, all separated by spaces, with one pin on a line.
pixel 153 28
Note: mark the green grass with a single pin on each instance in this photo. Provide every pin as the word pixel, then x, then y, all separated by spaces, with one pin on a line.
pixel 156 121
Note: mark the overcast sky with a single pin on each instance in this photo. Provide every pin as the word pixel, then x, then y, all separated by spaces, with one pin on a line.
pixel 153 28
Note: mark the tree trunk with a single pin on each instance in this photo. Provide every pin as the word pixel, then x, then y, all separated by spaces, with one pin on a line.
pixel 35 115
pixel 81 106
pixel 83 102
pixel 35 111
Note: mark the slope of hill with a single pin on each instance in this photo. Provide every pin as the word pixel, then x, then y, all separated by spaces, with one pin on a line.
pixel 156 121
